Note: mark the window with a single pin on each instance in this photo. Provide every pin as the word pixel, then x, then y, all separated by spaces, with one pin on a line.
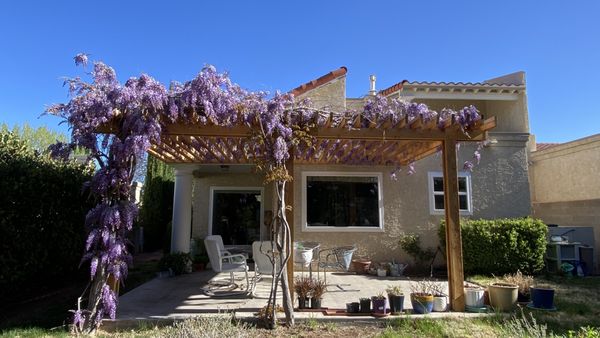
pixel 436 193
pixel 235 214
pixel 341 201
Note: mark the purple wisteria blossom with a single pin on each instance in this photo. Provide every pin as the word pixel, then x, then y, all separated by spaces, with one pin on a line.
pixel 81 59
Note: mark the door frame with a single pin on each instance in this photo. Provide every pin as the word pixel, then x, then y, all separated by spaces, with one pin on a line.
pixel 212 189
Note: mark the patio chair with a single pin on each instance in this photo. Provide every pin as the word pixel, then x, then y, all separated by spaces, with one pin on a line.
pixel 262 253
pixel 338 258
pixel 219 240
pixel 225 263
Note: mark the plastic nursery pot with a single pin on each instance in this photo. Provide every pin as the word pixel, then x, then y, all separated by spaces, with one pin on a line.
pixel 365 305
pixel 396 303
pixel 303 303
pixel 440 303
pixel 542 298
pixel 421 303
pixel 352 307
pixel 315 303
pixel 379 306
pixel 474 297
pixel 503 296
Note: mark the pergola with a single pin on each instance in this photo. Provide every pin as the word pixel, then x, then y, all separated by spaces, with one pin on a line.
pixel 341 139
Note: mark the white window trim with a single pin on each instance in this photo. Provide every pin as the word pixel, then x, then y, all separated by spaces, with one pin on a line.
pixel 306 228
pixel 211 201
pixel 430 193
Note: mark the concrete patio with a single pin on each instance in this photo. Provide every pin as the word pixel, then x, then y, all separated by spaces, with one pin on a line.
pixel 165 299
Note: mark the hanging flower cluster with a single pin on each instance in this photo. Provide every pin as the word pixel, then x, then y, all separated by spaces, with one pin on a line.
pixel 135 114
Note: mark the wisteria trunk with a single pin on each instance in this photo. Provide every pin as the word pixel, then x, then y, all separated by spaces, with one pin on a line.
pixel 288 304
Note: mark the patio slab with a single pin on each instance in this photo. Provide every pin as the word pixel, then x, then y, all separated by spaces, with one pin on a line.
pixel 165 299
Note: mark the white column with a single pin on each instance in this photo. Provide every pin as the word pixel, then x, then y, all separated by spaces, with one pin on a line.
pixel 182 211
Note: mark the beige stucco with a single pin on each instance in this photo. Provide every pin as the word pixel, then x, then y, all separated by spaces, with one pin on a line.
pixel 566 186
pixel 567 172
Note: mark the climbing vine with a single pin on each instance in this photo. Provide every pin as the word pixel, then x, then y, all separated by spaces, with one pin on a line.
pixel 117 122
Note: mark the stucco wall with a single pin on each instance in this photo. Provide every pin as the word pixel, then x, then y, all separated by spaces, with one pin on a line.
pixel 201 196
pixel 566 188
pixel 567 172
pixel 331 95
pixel 500 189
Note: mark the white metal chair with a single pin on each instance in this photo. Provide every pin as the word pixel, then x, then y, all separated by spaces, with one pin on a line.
pixel 335 258
pixel 225 263
pixel 219 240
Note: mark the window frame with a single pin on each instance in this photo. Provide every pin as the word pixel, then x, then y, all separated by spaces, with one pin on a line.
pixel 304 202
pixel 431 193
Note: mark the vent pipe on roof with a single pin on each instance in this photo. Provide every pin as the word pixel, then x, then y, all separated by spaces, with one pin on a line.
pixel 372 90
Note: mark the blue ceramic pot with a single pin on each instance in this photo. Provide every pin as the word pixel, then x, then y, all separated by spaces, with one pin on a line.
pixel 421 303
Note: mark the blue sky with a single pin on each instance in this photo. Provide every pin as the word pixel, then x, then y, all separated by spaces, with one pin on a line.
pixel 281 44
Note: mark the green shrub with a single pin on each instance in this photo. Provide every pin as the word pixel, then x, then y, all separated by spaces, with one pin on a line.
pixel 502 245
pixel 179 263
pixel 42 214
pixel 157 204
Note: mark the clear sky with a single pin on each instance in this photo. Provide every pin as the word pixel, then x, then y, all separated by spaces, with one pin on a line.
pixel 281 44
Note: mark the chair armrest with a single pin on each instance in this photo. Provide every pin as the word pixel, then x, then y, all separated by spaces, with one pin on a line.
pixel 231 258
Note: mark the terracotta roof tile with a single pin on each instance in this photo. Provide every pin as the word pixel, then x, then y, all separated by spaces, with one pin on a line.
pixel 544 146
pixel 320 81
pixel 393 89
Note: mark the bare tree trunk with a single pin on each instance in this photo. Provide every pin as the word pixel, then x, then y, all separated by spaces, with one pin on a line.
pixel 288 304
pixel 94 299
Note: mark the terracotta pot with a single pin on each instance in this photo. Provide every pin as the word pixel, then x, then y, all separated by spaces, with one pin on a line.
pixel 503 296
pixel 360 266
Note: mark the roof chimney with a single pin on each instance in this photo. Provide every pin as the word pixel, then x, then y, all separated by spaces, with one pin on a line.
pixel 372 90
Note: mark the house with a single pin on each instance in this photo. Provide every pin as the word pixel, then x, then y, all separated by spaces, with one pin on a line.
pixel 565 189
pixel 338 205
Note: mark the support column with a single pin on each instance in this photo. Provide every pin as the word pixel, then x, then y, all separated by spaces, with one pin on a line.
pixel 454 256
pixel 182 211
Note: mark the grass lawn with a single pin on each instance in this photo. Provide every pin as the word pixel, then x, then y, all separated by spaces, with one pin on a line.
pixel 577 301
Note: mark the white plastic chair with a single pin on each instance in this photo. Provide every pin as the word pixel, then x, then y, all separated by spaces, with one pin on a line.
pixel 225 263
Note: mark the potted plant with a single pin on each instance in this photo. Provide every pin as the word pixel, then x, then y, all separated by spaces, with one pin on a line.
pixel 352 307
pixel 421 297
pixel 379 304
pixel 474 296
pixel 365 305
pixel 503 296
pixel 524 283
pixel 396 299
pixel 302 287
pixel 318 288
pixel 440 299
pixel 176 263
pixel 542 297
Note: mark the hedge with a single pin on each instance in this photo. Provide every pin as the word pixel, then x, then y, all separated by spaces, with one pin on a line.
pixel 502 245
pixel 42 213
pixel 157 204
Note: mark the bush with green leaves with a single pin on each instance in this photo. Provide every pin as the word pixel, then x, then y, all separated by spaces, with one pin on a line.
pixel 157 204
pixel 42 213
pixel 502 246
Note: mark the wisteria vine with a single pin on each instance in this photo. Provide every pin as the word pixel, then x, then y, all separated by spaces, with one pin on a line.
pixel 116 123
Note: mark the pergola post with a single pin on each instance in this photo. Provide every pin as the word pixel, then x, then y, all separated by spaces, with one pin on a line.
pixel 182 211
pixel 454 257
